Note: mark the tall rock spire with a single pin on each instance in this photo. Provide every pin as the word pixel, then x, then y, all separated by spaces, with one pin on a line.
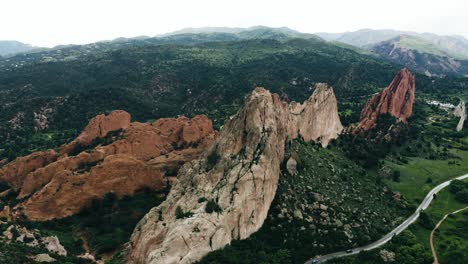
pixel 397 100
pixel 226 194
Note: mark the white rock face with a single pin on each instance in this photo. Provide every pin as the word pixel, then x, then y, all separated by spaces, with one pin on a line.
pixel 52 244
pixel 236 177
pixel 460 111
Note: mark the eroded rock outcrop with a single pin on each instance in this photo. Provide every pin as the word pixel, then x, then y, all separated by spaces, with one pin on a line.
pixel 460 111
pixel 98 127
pixel 397 100
pixel 226 194
pixel 110 155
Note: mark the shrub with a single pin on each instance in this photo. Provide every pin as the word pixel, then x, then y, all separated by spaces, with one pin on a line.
pixel 396 176
pixel 180 214
pixel 457 185
pixel 212 206
pixel 213 158
pixel 4 186
pixel 28 239
pixel 462 196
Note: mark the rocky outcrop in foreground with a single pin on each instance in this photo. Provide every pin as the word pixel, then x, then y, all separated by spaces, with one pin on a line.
pixel 226 194
pixel 110 155
pixel 460 111
pixel 397 100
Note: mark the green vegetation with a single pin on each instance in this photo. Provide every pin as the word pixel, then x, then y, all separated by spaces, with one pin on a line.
pixel 179 75
pixel 460 189
pixel 317 211
pixel 20 253
pixel 412 246
pixel 212 207
pixel 105 225
pixel 180 214
pixel 405 247
pixel 451 239
pixel 212 159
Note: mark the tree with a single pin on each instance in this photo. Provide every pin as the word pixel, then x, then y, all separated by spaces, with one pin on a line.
pixel 457 185
pixel 396 176
pixel 462 195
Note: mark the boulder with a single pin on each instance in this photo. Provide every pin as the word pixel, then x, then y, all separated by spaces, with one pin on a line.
pixel 291 166
pixel 43 258
pixel 52 244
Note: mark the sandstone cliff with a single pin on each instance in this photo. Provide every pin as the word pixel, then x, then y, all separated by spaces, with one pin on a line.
pixel 226 194
pixel 397 100
pixel 110 155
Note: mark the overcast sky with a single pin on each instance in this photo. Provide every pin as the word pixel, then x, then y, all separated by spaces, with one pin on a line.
pixel 53 22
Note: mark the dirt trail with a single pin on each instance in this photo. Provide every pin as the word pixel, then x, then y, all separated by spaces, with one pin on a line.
pixel 431 239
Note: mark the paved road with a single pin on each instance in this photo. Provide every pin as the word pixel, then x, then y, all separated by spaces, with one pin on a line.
pixel 431 239
pixel 425 203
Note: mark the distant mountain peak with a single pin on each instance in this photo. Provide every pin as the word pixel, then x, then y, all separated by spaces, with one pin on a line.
pixel 11 47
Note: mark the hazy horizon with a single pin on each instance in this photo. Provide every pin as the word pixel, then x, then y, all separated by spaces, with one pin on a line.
pixel 50 23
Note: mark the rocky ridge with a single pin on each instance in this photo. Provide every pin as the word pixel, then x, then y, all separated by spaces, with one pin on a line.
pixel 226 194
pixel 436 63
pixel 110 155
pixel 396 100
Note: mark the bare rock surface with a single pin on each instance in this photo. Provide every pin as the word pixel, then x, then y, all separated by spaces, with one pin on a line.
pixel 226 194
pixel 43 258
pixel 397 100
pixel 460 111
pixel 52 244
pixel 110 155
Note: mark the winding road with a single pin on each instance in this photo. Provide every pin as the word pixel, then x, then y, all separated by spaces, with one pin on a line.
pixel 424 204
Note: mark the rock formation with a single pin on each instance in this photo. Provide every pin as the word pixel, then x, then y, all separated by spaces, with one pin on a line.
pixel 226 194
pixel 397 100
pixel 110 155
pixel 460 111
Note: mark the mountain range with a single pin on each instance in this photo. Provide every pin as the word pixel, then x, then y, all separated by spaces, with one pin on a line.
pixel 428 53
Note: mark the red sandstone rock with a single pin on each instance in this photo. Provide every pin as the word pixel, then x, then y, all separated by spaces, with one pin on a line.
pixel 16 171
pixel 397 100
pixel 140 156
pixel 98 127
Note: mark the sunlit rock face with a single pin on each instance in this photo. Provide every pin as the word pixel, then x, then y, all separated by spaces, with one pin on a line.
pixel 460 111
pixel 397 100
pixel 110 155
pixel 226 194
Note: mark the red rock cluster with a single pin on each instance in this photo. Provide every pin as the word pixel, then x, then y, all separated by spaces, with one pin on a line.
pixel 397 100
pixel 110 155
